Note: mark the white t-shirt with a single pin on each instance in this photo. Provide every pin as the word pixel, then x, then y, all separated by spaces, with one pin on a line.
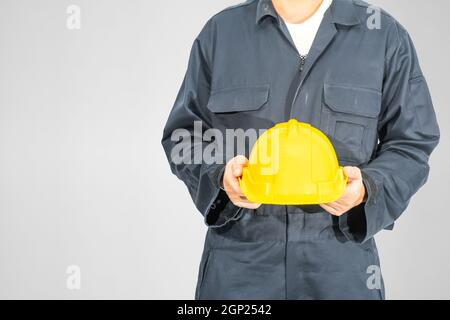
pixel 304 33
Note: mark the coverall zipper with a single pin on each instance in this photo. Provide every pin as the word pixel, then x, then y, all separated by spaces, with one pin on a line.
pixel 302 62
pixel 297 91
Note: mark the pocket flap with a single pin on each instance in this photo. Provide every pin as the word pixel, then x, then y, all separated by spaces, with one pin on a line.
pixel 353 100
pixel 238 99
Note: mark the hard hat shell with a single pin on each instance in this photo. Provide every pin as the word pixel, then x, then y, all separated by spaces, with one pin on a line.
pixel 293 163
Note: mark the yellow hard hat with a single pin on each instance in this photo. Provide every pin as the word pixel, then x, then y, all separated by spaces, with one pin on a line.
pixel 293 163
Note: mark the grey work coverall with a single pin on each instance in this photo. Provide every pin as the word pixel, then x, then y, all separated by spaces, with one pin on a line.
pixel 363 88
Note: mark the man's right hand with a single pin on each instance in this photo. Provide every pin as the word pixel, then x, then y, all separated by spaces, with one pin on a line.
pixel 233 170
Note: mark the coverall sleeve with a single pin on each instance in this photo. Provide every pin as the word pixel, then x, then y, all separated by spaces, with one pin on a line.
pixel 183 138
pixel 408 133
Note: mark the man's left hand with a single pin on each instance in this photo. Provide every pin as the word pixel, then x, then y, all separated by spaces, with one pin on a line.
pixel 353 196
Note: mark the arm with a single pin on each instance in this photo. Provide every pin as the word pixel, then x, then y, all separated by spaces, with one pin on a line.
pixel 408 133
pixel 183 142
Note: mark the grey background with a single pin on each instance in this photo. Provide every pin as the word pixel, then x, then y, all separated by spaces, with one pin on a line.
pixel 83 178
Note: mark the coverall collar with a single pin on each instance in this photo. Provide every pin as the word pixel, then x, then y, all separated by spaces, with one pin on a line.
pixel 343 12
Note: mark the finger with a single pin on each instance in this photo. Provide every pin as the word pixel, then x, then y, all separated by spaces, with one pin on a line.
pixel 236 170
pixel 248 205
pixel 237 165
pixel 236 193
pixel 338 207
pixel 330 210
pixel 235 187
pixel 241 160
pixel 335 205
pixel 242 200
pixel 352 173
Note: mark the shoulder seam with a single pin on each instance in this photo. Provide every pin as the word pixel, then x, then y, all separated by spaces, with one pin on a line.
pixel 401 31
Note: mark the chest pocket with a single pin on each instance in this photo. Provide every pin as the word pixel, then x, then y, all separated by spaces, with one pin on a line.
pixel 240 108
pixel 350 118
pixel 238 99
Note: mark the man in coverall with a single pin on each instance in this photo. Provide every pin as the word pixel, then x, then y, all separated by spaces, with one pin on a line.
pixel 363 87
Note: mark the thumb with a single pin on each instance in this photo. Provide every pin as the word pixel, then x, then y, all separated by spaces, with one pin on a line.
pixel 237 164
pixel 352 173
